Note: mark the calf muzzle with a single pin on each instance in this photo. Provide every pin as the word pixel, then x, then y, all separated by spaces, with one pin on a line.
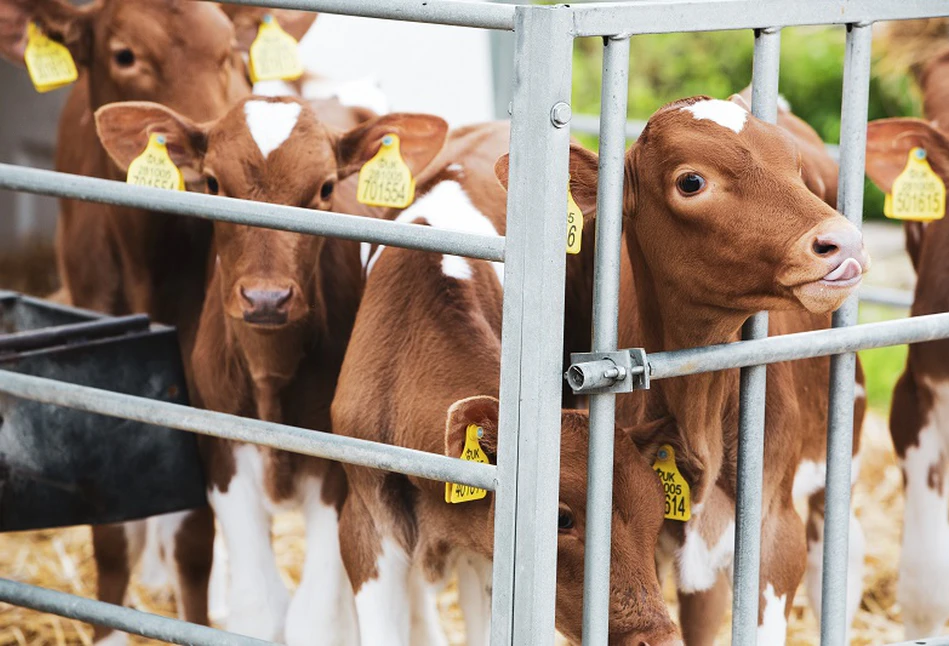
pixel 265 306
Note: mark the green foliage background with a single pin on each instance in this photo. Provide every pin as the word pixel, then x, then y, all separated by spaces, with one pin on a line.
pixel 666 67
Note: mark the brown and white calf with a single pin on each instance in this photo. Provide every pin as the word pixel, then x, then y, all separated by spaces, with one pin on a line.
pixel 919 417
pixel 719 224
pixel 274 328
pixel 423 364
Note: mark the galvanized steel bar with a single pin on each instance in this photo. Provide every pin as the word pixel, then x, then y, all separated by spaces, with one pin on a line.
pixel 126 619
pixel 668 16
pixel 241 429
pixel 260 214
pixel 606 279
pixel 752 392
pixel 525 572
pixel 440 12
pixel 853 142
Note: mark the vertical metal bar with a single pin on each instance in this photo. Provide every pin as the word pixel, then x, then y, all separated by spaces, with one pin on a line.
pixel 525 548
pixel 502 53
pixel 606 277
pixel 764 102
pixel 853 141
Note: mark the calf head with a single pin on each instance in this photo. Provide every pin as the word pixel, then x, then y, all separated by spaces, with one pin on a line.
pixel 715 201
pixel 638 614
pixel 180 53
pixel 275 150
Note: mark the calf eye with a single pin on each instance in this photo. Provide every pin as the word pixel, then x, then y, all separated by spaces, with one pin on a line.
pixel 213 187
pixel 327 189
pixel 690 183
pixel 564 520
pixel 124 57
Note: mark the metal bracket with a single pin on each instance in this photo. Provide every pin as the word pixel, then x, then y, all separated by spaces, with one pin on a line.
pixel 597 373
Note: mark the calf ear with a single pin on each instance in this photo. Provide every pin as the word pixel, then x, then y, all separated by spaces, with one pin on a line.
pixel 421 136
pixel 124 129
pixel 247 22
pixel 649 437
pixel 739 99
pixel 481 411
pixel 889 142
pixel 583 176
pixel 58 19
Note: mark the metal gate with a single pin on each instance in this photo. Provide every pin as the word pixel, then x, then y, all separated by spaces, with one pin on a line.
pixel 526 476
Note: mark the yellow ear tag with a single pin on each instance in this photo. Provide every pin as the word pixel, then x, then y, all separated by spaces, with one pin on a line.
pixel 574 225
pixel 49 63
pixel 155 168
pixel 385 180
pixel 472 452
pixel 678 495
pixel 274 54
pixel 918 192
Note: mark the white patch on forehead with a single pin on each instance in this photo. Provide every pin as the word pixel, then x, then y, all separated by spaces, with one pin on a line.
pixel 447 206
pixel 724 113
pixel 270 124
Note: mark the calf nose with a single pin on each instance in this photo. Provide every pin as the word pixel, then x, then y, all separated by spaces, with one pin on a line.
pixel 266 306
pixel 843 241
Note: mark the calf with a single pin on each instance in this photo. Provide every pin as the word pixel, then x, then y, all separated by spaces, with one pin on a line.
pixel 119 260
pixel 918 417
pixel 422 366
pixel 749 236
pixel 273 331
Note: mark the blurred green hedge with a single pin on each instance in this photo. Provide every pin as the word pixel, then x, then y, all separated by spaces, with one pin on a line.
pixel 670 66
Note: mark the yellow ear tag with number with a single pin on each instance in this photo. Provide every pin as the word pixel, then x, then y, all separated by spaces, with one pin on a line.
pixel 678 494
pixel 574 225
pixel 274 54
pixel 154 167
pixel 472 452
pixel 49 63
pixel 918 192
pixel 385 180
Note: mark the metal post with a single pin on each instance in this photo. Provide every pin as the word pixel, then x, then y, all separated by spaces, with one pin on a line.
pixel 502 55
pixel 606 277
pixel 853 141
pixel 764 102
pixel 525 573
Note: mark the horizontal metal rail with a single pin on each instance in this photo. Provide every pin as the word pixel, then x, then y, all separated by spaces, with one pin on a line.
pixel 802 345
pixel 260 214
pixel 933 641
pixel 127 619
pixel 679 16
pixel 231 427
pixel 61 334
pixel 439 12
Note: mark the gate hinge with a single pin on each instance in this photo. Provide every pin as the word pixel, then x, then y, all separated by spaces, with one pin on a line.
pixel 596 373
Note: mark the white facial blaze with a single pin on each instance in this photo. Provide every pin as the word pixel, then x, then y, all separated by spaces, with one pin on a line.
pixel 270 124
pixel 774 626
pixel 724 113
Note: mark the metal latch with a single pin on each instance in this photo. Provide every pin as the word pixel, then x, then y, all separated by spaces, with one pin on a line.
pixel 596 373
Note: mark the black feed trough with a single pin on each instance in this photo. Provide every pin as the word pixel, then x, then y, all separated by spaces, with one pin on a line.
pixel 60 466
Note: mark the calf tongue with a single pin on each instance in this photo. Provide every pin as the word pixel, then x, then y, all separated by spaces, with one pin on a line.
pixel 847 270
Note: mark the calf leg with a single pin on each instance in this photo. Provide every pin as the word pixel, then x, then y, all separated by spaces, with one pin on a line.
pixel 322 610
pixel 257 597
pixel 426 628
pixel 701 613
pixel 783 560
pixel 189 536
pixel 117 547
pixel 474 592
